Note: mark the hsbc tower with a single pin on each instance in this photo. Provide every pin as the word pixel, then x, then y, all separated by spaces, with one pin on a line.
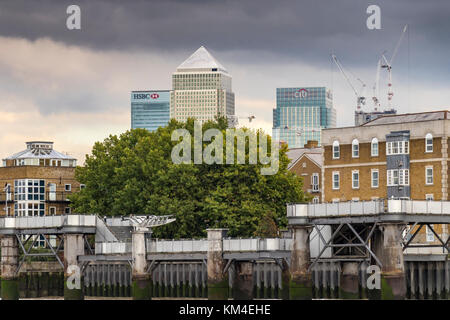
pixel 150 109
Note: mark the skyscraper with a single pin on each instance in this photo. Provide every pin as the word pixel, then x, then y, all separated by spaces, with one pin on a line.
pixel 301 113
pixel 201 89
pixel 150 109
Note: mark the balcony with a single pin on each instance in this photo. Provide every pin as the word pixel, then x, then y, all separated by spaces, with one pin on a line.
pixel 57 196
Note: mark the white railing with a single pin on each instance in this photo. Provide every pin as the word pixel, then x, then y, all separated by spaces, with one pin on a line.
pixel 112 247
pixel 47 222
pixel 419 207
pixel 350 208
pixel 197 246
pixel 173 246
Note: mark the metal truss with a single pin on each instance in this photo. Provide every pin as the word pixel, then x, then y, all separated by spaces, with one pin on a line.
pixel 361 245
pixel 412 234
pixel 27 252
pixel 144 223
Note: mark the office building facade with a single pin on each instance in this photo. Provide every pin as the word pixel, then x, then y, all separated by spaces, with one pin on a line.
pixel 201 89
pixel 301 114
pixel 150 109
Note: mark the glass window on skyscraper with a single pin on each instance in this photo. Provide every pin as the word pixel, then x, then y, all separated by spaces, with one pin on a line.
pixel 301 114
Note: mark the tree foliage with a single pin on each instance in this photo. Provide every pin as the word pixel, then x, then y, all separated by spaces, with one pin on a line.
pixel 134 174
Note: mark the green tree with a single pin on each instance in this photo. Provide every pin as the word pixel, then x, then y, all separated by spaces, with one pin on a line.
pixel 134 174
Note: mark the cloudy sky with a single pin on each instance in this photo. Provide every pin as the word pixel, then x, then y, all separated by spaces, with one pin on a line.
pixel 73 86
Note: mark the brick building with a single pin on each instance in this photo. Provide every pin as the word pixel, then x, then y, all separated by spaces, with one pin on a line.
pixel 37 181
pixel 399 156
pixel 307 163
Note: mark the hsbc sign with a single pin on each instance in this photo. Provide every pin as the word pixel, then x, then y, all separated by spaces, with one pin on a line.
pixel 143 96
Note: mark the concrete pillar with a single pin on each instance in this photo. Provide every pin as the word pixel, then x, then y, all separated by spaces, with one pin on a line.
pixel 349 287
pixel 243 281
pixel 388 248
pixel 73 280
pixel 300 284
pixel 9 265
pixel 217 280
pixel 141 282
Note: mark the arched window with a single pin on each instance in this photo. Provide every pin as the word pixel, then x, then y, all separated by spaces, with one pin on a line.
pixel 355 148
pixel 374 147
pixel 336 150
pixel 429 142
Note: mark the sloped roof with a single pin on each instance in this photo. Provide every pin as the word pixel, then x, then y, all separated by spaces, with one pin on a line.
pixel 39 153
pixel 314 154
pixel 409 117
pixel 201 59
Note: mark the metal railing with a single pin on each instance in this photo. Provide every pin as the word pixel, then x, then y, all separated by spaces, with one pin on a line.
pixel 362 208
pixel 350 208
pixel 58 196
pixel 47 222
pixel 419 207
pixel 197 246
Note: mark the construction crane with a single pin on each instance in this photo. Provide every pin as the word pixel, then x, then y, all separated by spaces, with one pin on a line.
pixel 388 65
pixel 376 87
pixel 233 120
pixel 360 98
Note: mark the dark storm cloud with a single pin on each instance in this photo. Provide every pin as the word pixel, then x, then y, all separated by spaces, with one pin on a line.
pixel 307 30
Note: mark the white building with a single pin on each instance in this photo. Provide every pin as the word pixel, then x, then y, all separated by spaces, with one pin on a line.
pixel 201 89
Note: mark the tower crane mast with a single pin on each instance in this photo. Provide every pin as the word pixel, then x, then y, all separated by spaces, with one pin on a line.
pixel 360 98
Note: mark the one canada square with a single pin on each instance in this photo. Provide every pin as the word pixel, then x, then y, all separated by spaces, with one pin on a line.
pixel 201 89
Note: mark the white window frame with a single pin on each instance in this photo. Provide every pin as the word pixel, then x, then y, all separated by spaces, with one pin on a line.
pixel 372 171
pixel 355 148
pixel 50 210
pixel 315 186
pixel 70 210
pixel 336 173
pixel 397 147
pixel 403 177
pixel 426 175
pixel 338 150
pixel 315 200
pixel 429 197
pixel 428 143
pixel 353 180
pixel 65 187
pixel 374 143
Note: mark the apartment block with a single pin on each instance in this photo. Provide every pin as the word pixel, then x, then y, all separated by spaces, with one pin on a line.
pixel 397 156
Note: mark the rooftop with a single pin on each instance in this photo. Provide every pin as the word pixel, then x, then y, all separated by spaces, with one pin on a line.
pixel 314 154
pixel 409 117
pixel 201 59
pixel 39 150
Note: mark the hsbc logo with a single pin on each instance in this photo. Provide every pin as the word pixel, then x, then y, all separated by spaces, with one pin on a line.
pixel 302 93
pixel 140 96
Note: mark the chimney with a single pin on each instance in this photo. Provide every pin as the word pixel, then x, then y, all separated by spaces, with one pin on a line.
pixel 311 144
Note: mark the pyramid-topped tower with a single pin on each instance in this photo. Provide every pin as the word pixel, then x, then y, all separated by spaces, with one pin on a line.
pixel 201 89
pixel 200 60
